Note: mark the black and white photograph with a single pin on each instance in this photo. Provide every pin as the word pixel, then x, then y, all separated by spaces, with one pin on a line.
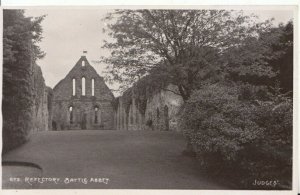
pixel 148 98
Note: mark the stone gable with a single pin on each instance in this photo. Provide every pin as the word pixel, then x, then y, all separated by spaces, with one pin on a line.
pixel 78 111
pixel 64 87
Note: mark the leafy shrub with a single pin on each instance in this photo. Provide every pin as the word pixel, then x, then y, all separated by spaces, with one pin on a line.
pixel 236 132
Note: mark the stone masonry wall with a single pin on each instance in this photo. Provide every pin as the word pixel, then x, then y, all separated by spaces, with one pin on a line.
pixel 161 112
pixel 41 110
pixel 83 114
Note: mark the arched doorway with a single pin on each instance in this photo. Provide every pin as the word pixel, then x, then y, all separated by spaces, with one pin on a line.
pixel 83 121
pixel 96 117
pixel 54 126
pixel 166 118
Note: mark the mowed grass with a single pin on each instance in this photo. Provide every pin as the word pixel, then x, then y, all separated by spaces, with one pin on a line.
pixel 129 159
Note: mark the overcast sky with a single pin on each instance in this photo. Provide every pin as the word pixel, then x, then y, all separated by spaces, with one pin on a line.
pixel 67 32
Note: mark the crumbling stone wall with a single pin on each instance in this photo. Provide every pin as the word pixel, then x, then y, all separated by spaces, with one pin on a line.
pixel 42 102
pixel 83 112
pixel 160 113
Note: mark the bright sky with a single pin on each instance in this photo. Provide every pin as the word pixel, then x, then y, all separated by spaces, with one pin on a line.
pixel 67 32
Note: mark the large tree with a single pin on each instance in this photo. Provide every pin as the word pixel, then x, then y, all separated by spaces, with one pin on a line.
pixel 187 48
pixel 20 51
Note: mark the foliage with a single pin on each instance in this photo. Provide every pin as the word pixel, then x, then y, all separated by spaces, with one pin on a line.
pixel 182 47
pixel 244 125
pixel 229 69
pixel 270 65
pixel 20 50
pixel 21 35
pixel 252 136
pixel 284 65
pixel 142 90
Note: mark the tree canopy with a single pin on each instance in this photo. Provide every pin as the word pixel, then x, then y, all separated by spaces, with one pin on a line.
pixel 20 51
pixel 187 48
pixel 21 34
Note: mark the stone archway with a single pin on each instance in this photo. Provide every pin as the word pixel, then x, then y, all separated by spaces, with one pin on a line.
pixel 54 126
pixel 166 118
pixel 83 123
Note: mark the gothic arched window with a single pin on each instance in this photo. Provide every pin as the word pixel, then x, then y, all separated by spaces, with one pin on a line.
pixel 96 114
pixel 83 63
pixel 71 114
pixel 73 87
pixel 166 117
pixel 93 87
pixel 83 86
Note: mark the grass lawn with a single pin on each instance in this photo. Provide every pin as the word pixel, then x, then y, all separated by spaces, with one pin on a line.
pixel 110 160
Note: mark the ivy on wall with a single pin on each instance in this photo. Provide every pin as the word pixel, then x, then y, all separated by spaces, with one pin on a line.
pixel 141 91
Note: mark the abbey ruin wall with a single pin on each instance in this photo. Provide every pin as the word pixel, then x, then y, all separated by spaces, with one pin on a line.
pixel 82 100
pixel 42 110
pixel 158 111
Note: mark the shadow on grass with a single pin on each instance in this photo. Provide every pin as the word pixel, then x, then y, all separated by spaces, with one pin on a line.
pixel 14 174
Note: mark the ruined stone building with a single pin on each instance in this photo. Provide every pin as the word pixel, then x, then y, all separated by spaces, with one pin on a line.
pixel 82 100
pixel 139 109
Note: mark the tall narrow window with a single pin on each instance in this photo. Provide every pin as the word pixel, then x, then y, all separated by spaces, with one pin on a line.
pixel 93 87
pixel 83 86
pixel 83 63
pixel 96 115
pixel 71 114
pixel 74 87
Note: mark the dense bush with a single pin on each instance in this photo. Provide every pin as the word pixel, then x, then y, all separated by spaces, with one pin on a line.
pixel 237 132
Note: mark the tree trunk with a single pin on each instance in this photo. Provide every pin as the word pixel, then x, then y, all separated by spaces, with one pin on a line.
pixel 184 96
pixel 189 150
